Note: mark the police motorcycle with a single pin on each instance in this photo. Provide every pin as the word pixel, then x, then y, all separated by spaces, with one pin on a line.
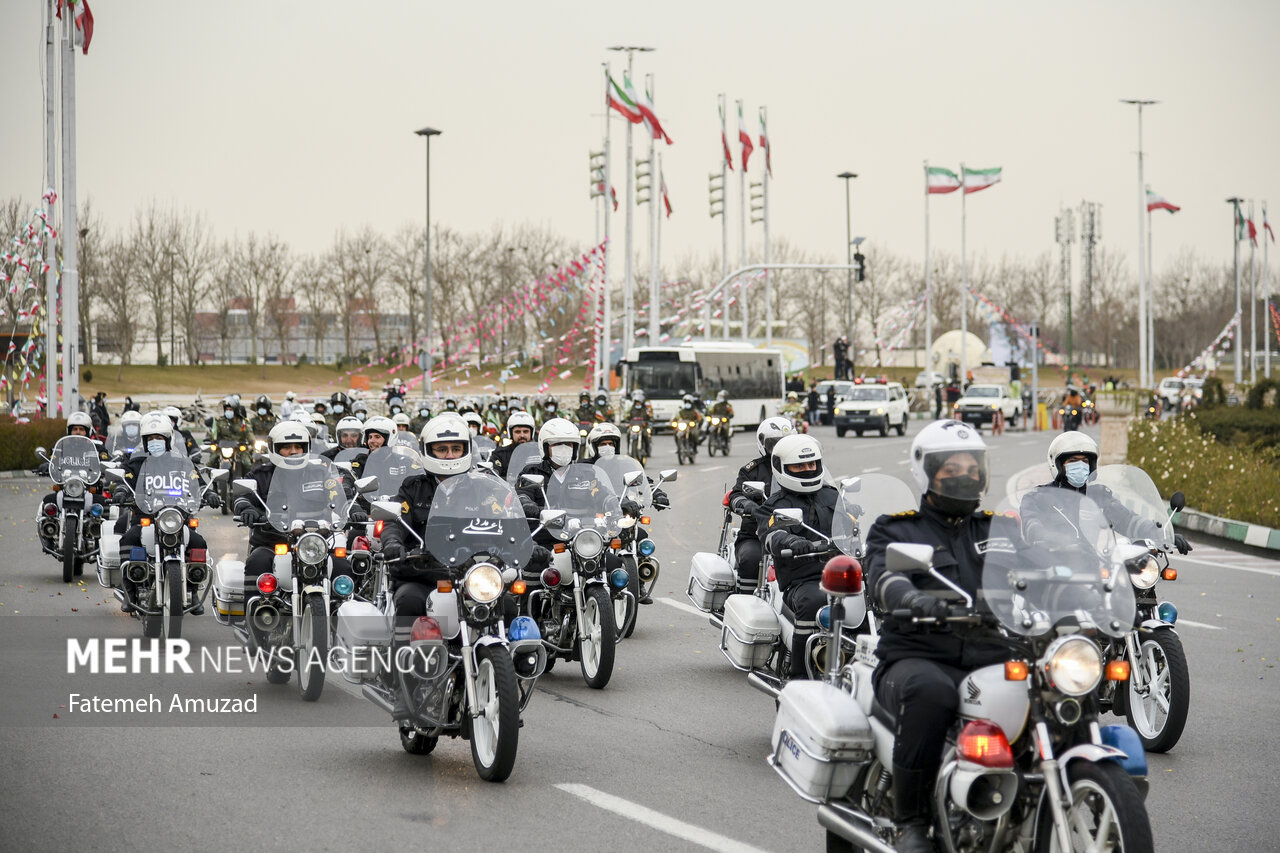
pixel 522 457
pixel 287 616
pixel 73 522
pixel 574 606
pixel 628 479
pixel 719 434
pixel 390 465
pixel 1156 698
pixel 1027 766
pixel 639 435
pixel 686 435
pixel 167 578
pixel 226 453
pixel 464 673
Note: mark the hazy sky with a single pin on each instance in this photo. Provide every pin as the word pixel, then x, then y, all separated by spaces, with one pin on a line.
pixel 297 117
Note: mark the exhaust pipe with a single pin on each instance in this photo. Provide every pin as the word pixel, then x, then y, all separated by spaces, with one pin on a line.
pixel 856 831
pixel 756 680
pixel 377 697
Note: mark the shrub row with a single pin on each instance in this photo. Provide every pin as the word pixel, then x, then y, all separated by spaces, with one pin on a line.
pixel 18 442
pixel 1239 426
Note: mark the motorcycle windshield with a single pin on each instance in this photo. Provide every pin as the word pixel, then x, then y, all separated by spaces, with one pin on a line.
pixel 75 456
pixel 117 442
pixel 618 468
pixel 587 495
pixel 311 492
pixel 391 465
pixel 1062 573
pixel 522 457
pixel 404 438
pixel 862 500
pixel 482 447
pixel 1136 492
pixel 474 513
pixel 167 480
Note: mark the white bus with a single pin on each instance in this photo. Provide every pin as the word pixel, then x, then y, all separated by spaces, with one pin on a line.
pixel 753 377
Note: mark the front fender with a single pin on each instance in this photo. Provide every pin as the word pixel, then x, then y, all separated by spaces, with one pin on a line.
pixel 1154 624
pixel 1088 752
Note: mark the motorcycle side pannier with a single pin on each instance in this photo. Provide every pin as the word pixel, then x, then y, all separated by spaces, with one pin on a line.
pixel 710 581
pixel 821 738
pixel 363 631
pixel 109 558
pixel 228 592
pixel 750 631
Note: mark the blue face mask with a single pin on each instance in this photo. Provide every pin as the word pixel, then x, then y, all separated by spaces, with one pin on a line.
pixel 228 414
pixel 1077 473
pixel 155 447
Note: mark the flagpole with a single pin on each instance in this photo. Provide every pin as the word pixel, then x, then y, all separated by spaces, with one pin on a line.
pixel 964 281
pixel 724 220
pixel 628 327
pixel 49 252
pixel 70 227
pixel 928 279
pixel 655 201
pixel 742 209
pixel 655 325
pixel 768 280
pixel 1236 227
pixel 1253 306
pixel 1149 317
pixel 1266 297
pixel 605 352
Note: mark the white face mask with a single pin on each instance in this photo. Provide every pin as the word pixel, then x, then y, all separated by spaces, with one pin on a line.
pixel 604 451
pixel 156 446
pixel 262 412
pixel 561 455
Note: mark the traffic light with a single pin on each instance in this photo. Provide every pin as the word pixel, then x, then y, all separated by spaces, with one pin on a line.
pixel 598 187
pixel 642 182
pixel 757 202
pixel 715 186
pixel 860 267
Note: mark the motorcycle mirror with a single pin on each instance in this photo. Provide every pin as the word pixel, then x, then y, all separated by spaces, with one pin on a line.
pixel 244 485
pixel 509 575
pixel 908 559
pixel 753 489
pixel 208 421
pixel 1177 502
pixel 634 478
pixel 851 484
pixel 220 473
pixel 791 516
pixel 42 452
pixel 669 475
pixel 552 519
pixel 384 510
pixel 344 466
pixel 366 484
pixel 532 479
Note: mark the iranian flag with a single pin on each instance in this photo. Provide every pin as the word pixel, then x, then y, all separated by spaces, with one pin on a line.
pixel 744 138
pixel 645 106
pixel 724 140
pixel 1155 201
pixel 83 19
pixel 764 145
pixel 941 180
pixel 666 199
pixel 623 103
pixel 1245 225
pixel 980 179
pixel 1267 225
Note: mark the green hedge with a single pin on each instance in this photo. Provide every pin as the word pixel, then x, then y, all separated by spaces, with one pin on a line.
pixel 1258 394
pixel 18 442
pixel 1259 428
pixel 1235 481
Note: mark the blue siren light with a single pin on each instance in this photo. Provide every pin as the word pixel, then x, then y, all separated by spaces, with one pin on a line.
pixel 619 578
pixel 824 618
pixel 523 628
pixel 343 585
pixel 647 546
pixel 1167 612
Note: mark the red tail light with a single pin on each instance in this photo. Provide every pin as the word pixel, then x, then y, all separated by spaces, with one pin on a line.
pixel 361 544
pixel 377 527
pixel 984 743
pixel 771 576
pixel 266 583
pixel 842 576
pixel 50 510
pixel 198 555
pixel 550 577
pixel 426 628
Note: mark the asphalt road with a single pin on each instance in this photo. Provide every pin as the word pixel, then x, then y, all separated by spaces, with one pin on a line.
pixel 669 756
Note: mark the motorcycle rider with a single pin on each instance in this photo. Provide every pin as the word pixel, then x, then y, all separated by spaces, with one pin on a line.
pixel 586 411
pixel 189 444
pixel 723 409
pixel 1073 458
pixel 339 407
pixel 475 423
pixel 288 446
pixel 232 427
pixel 378 432
pixel 320 428
pixel 796 463
pixel 350 432
pixel 360 411
pixel 642 409
pixel 921 665
pixel 747 549
pixel 129 437
pixel 420 420
pixel 263 419
pixel 401 420
pixel 792 408
pixel 287 407
pixel 689 412
pixel 519 431
pixel 604 411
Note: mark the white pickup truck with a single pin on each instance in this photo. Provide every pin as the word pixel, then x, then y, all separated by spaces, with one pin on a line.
pixel 980 403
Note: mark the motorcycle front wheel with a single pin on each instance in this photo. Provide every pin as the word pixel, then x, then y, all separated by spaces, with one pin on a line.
pixel 70 536
pixel 1105 812
pixel 495 731
pixel 1158 710
pixel 171 607
pixel 313 647
pixel 597 636
pixel 415 742
pixel 624 607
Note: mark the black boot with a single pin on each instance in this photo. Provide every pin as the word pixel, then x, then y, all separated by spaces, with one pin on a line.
pixel 798 668
pixel 911 809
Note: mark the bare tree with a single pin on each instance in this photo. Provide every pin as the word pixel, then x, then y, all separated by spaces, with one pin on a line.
pixel 153 238
pixel 122 300
pixel 369 259
pixel 263 265
pixel 224 292
pixel 405 272
pixel 191 267
pixel 313 280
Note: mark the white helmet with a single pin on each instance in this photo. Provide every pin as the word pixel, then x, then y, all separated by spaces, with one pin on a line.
pixel 523 419
pixel 349 425
pixel 940 440
pixel 558 431
pixel 174 414
pixel 1069 444
pixel 474 420
pixel 400 419
pixel 80 419
pixel 601 431
pixel 689 401
pixel 637 396
pixel 288 432
pixel 770 430
pixel 289 395
pixel 793 450
pixel 130 423
pixel 383 426
pixel 156 423
pixel 446 427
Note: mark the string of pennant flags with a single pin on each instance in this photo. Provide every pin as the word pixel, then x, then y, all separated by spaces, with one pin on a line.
pixel 1052 356
pixel 27 257
pixel 1220 346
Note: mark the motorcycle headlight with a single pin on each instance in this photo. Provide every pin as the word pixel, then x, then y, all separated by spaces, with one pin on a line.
pixel 1143 571
pixel 227 452
pixel 169 521
pixel 73 487
pixel 681 425
pixel 483 583
pixel 588 544
pixel 312 548
pixel 1073 665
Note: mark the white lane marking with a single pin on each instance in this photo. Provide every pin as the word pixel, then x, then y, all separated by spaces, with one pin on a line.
pixel 712 468
pixel 1208 553
pixel 1199 625
pixel 1275 573
pixel 657 820
pixel 680 605
pixel 871 470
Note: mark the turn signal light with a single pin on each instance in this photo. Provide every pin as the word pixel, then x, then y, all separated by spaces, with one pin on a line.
pixel 726 498
pixel 518 588
pixel 444 586
pixel 193 522
pixel 339 552
pixel 282 548
pixel 1015 670
pixel 559 548
pixel 984 743
pixel 146 522
pixel 615 544
pixel 266 583
pixel 644 519
pixel 377 527
pixel 1170 574
pixel 1118 670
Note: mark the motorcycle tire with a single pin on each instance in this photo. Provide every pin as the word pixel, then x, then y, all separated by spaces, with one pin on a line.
pixel 171 607
pixel 711 448
pixel 70 536
pixel 415 742
pixel 495 733
pixel 276 675
pixel 1097 790
pixel 313 647
pixel 597 637
pixel 1165 665
pixel 224 492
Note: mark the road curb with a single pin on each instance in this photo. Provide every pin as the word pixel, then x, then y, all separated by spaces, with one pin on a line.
pixel 18 475
pixel 1254 535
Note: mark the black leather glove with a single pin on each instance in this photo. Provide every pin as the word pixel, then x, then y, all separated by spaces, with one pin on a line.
pixel 541 557
pixel 530 506
pixel 660 500
pixel 213 500
pixel 744 505
pixel 630 507
pixel 357 516
pixel 393 550
pixel 798 544
pixel 924 605
pixel 250 517
pixel 1183 546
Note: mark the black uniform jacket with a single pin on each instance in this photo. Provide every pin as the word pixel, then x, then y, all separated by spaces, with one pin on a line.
pixel 756 470
pixel 819 510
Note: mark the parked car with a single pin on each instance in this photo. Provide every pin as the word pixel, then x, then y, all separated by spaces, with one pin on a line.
pixel 1170 392
pixel 929 378
pixel 878 406
pixel 979 404
pixel 843 388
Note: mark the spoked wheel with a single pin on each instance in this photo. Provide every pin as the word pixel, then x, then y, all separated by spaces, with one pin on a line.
pixel 597 637
pixel 171 606
pixel 1105 813
pixel 1159 691
pixel 70 535
pixel 496 731
pixel 415 742
pixel 313 647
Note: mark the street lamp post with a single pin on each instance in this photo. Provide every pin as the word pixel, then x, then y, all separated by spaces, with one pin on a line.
pixel 1238 340
pixel 848 246
pixel 173 293
pixel 1145 368
pixel 426 133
